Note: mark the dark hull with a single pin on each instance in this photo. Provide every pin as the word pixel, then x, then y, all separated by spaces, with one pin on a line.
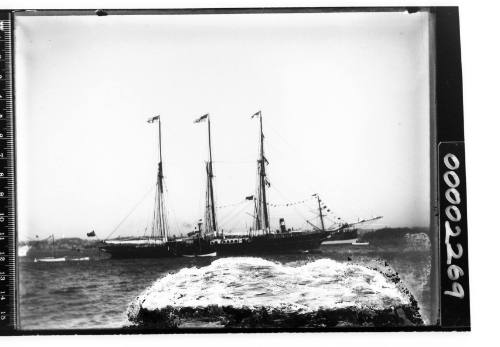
pixel 120 251
pixel 272 244
pixel 265 244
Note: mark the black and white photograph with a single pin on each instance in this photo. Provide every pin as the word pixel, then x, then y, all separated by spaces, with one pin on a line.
pixel 229 171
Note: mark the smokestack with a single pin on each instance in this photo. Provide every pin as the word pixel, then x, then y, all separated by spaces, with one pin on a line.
pixel 282 225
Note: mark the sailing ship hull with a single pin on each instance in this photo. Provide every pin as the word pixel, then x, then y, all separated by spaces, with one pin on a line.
pixel 270 244
pixel 119 251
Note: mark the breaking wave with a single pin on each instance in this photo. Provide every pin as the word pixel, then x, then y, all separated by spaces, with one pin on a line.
pixel 254 283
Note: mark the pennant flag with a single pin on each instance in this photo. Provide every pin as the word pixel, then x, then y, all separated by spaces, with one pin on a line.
pixel 256 114
pixel 152 120
pixel 201 119
pixel 91 234
pixel 250 197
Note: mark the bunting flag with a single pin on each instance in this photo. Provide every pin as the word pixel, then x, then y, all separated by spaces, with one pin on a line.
pixel 152 120
pixel 256 114
pixel 290 203
pixel 235 204
pixel 250 197
pixel 201 119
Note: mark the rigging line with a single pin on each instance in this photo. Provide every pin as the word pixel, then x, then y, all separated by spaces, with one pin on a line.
pixel 288 204
pixel 227 162
pixel 232 205
pixel 234 221
pixel 296 210
pixel 235 215
pixel 232 214
pixel 131 211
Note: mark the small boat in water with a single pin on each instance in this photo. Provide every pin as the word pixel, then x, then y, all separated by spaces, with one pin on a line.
pixel 53 258
pixel 347 233
pixel 50 260
pixel 213 254
pixel 80 259
pixel 339 242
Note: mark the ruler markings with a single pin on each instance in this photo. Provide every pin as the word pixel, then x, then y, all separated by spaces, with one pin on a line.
pixel 8 283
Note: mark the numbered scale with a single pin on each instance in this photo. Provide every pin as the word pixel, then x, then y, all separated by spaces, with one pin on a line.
pixel 7 180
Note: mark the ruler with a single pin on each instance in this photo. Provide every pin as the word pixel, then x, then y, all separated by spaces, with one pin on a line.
pixel 8 285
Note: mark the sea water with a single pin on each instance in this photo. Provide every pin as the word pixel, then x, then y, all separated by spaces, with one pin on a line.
pixel 97 294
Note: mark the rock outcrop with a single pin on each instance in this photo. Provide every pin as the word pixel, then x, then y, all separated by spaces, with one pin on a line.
pixel 257 293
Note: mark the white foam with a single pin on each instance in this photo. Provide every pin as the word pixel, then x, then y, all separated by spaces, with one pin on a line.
pixel 255 282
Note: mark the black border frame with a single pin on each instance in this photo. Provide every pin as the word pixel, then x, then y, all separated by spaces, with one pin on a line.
pixel 446 126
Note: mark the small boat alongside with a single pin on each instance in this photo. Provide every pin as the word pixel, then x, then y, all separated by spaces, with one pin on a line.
pixel 347 233
pixel 339 242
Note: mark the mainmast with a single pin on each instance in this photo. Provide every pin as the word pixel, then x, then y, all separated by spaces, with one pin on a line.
pixel 210 216
pixel 160 228
pixel 262 216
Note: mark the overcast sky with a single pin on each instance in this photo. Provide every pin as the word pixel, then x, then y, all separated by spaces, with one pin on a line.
pixel 344 99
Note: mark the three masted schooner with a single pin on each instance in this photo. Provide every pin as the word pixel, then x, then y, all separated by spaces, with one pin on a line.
pixel 207 240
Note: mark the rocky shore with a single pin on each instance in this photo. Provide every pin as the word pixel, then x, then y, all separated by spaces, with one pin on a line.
pixel 256 293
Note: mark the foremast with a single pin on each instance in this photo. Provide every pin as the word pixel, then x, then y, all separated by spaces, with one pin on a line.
pixel 159 225
pixel 210 215
pixel 261 209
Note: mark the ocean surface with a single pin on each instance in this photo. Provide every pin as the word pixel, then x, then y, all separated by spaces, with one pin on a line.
pixel 97 293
